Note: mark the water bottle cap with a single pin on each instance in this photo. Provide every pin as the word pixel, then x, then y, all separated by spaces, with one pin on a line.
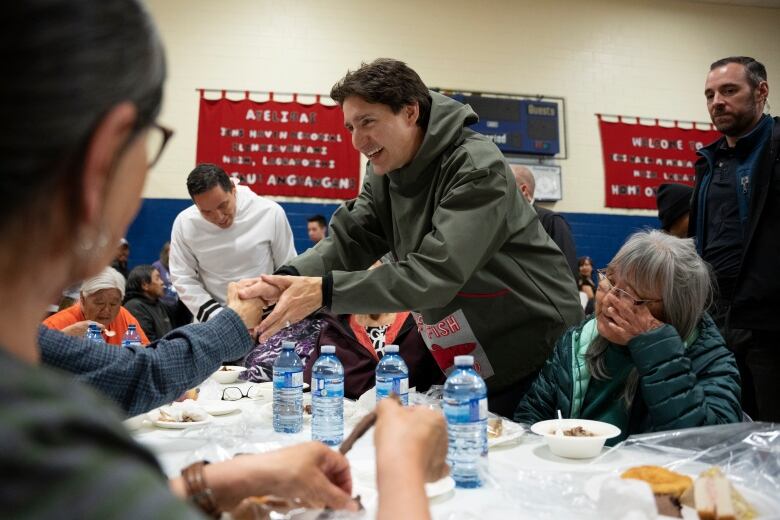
pixel 288 345
pixel 464 361
pixel 391 349
pixel 328 349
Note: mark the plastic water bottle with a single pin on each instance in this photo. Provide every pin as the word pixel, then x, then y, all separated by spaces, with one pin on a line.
pixel 94 333
pixel 327 398
pixel 131 337
pixel 465 408
pixel 288 390
pixel 392 376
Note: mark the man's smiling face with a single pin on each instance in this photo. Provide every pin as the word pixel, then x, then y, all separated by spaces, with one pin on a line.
pixel 390 141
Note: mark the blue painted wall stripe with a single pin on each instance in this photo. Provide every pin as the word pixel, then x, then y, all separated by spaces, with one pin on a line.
pixel 596 235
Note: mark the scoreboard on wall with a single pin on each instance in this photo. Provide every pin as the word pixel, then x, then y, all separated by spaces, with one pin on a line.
pixel 516 124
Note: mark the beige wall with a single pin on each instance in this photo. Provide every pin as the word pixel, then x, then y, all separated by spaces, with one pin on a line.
pixel 646 58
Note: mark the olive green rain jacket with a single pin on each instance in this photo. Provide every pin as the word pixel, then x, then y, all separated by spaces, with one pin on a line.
pixel 473 261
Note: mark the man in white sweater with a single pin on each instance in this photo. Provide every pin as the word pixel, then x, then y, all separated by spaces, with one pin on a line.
pixel 229 234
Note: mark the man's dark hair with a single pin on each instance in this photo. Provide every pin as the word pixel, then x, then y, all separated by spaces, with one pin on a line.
pixel 318 219
pixel 754 70
pixel 387 81
pixel 205 176
pixel 140 275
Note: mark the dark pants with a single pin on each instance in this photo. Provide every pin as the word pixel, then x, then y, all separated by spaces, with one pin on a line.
pixel 504 402
pixel 758 358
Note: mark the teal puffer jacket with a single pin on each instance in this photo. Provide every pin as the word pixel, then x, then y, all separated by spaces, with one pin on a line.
pixel 681 385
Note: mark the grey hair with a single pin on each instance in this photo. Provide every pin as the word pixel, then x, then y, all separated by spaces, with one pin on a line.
pixel 650 260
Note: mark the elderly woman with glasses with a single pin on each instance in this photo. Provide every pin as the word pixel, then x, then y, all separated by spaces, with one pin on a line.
pixel 650 359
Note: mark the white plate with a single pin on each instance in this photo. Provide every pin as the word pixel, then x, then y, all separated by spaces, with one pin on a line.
pixel 766 506
pixel 511 431
pixel 440 487
pixel 175 425
pixel 219 407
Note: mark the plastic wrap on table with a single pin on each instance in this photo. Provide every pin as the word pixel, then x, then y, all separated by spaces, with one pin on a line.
pixel 748 453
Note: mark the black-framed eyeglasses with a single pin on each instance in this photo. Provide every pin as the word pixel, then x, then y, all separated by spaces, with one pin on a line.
pixel 609 287
pixel 234 393
pixel 157 136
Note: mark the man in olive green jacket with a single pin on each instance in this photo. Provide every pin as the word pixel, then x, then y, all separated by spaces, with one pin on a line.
pixel 471 258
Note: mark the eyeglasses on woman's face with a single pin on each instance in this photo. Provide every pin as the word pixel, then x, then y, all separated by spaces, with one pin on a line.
pixel 608 286
pixel 157 136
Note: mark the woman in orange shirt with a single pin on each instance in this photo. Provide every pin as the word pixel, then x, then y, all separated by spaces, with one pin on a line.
pixel 100 302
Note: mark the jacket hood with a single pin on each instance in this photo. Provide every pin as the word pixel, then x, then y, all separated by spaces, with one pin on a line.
pixel 445 126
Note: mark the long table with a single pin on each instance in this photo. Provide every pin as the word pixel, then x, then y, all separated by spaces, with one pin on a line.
pixel 525 479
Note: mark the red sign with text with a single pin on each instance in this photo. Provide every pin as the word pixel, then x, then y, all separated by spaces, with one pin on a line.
pixel 280 148
pixel 638 157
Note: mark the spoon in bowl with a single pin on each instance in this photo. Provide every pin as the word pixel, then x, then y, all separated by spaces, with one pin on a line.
pixel 559 429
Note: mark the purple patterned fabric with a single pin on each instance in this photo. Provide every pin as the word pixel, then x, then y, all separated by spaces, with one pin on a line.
pixel 259 362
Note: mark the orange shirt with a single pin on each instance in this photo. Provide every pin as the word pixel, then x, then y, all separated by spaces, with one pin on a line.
pixel 74 314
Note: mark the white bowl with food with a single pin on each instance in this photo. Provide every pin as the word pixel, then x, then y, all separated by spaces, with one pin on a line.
pixel 578 439
pixel 227 374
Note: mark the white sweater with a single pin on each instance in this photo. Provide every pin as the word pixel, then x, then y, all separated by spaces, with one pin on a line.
pixel 204 258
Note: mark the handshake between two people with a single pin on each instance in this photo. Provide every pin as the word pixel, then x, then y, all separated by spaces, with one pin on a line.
pixel 293 297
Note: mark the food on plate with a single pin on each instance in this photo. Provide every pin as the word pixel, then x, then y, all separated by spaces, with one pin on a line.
pixel 267 507
pixel 667 505
pixel 661 480
pixel 226 369
pixel 578 431
pixel 495 427
pixel 715 498
pixel 186 411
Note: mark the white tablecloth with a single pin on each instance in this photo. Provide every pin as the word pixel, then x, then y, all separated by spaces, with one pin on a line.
pixel 516 488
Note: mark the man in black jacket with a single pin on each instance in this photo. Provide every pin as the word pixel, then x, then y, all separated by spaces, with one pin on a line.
pixel 552 222
pixel 142 298
pixel 735 214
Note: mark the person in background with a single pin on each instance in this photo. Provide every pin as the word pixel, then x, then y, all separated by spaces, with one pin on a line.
pixel 651 359
pixel 74 179
pixel 585 283
pixel 470 259
pixel 674 208
pixel 553 223
pixel 100 302
pixel 317 227
pixel 170 296
pixel 229 233
pixel 121 258
pixel 143 299
pixel 735 216
pixel 179 313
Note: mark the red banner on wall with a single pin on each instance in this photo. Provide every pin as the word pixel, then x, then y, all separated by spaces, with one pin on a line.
pixel 639 157
pixel 280 148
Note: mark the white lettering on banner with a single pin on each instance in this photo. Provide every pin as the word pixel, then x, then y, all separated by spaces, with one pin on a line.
pixel 619 189
pixel 663 144
pixel 281 116
pixel 341 183
pixel 304 163
pixel 450 337
pixel 645 159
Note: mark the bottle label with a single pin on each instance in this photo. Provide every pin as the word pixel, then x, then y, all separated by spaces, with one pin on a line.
pixel 474 410
pixel 327 387
pixel 288 379
pixel 395 385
